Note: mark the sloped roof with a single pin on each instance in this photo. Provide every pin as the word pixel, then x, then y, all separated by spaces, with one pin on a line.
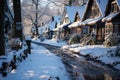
pixel 75 24
pixel 110 17
pixel 81 11
pixel 90 21
pixel 56 20
pixel 118 2
pixel 102 5
pixel 71 11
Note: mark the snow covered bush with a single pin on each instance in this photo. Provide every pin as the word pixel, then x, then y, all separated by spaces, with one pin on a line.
pixel 87 40
pixel 15 44
pixel 75 38
pixel 111 39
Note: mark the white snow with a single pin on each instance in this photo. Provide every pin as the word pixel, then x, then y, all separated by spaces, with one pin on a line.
pixel 55 22
pixel 118 2
pixel 40 65
pixel 75 24
pixel 81 11
pixel 109 17
pixel 90 21
pixel 96 51
pixel 71 11
pixel 53 42
pixel 102 6
pixel 61 26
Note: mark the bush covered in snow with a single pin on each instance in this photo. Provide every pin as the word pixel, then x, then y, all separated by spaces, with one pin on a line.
pixel 111 39
pixel 87 40
pixel 74 39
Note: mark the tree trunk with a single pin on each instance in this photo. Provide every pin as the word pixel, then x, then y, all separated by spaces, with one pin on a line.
pixel 2 41
pixel 36 20
pixel 17 19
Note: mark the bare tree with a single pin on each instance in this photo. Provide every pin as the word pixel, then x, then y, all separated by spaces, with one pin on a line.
pixel 38 12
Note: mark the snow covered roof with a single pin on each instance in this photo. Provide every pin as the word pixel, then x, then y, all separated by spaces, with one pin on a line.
pixel 44 28
pixel 61 26
pixel 102 5
pixel 75 24
pixel 56 21
pixel 90 21
pixel 81 11
pixel 71 11
pixel 118 2
pixel 110 17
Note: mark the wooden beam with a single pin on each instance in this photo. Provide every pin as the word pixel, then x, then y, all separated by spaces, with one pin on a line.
pixel 2 41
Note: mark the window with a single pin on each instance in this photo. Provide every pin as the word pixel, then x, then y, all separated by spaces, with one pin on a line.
pixel 85 30
pixel 116 29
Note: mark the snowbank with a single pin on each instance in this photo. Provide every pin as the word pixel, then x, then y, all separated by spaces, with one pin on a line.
pixel 40 65
pixel 98 52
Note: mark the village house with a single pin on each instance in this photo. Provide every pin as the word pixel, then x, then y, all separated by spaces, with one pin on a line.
pixel 43 30
pixel 67 18
pixel 52 32
pixel 75 27
pixel 91 22
pixel 112 19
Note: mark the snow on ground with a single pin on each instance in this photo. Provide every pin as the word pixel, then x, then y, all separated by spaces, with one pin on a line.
pixel 98 52
pixel 39 65
pixel 52 42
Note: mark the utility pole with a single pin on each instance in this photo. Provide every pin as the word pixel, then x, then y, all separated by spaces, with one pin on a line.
pixel 2 41
pixel 17 19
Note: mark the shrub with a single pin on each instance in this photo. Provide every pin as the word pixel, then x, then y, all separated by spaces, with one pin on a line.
pixel 74 39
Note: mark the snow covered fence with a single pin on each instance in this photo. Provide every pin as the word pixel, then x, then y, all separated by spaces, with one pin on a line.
pixel 11 59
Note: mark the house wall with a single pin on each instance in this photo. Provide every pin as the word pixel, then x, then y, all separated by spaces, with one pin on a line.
pixel 75 30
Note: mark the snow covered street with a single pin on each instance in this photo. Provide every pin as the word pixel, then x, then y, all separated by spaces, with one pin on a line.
pixel 40 65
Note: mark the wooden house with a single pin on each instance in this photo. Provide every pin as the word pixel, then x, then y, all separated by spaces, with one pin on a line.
pixel 91 21
pixel 67 18
pixel 112 19
pixel 53 25
pixel 75 27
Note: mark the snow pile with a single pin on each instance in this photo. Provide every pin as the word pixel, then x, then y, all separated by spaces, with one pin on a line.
pixel 97 52
pixel 53 42
pixel 41 65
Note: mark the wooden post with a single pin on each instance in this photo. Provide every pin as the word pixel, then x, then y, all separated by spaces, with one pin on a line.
pixel 17 19
pixel 2 41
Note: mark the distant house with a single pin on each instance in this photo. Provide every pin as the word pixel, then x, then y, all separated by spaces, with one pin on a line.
pixel 53 25
pixel 67 18
pixel 75 27
pixel 91 22
pixel 112 19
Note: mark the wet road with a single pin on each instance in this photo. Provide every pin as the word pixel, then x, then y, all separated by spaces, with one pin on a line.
pixel 77 66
